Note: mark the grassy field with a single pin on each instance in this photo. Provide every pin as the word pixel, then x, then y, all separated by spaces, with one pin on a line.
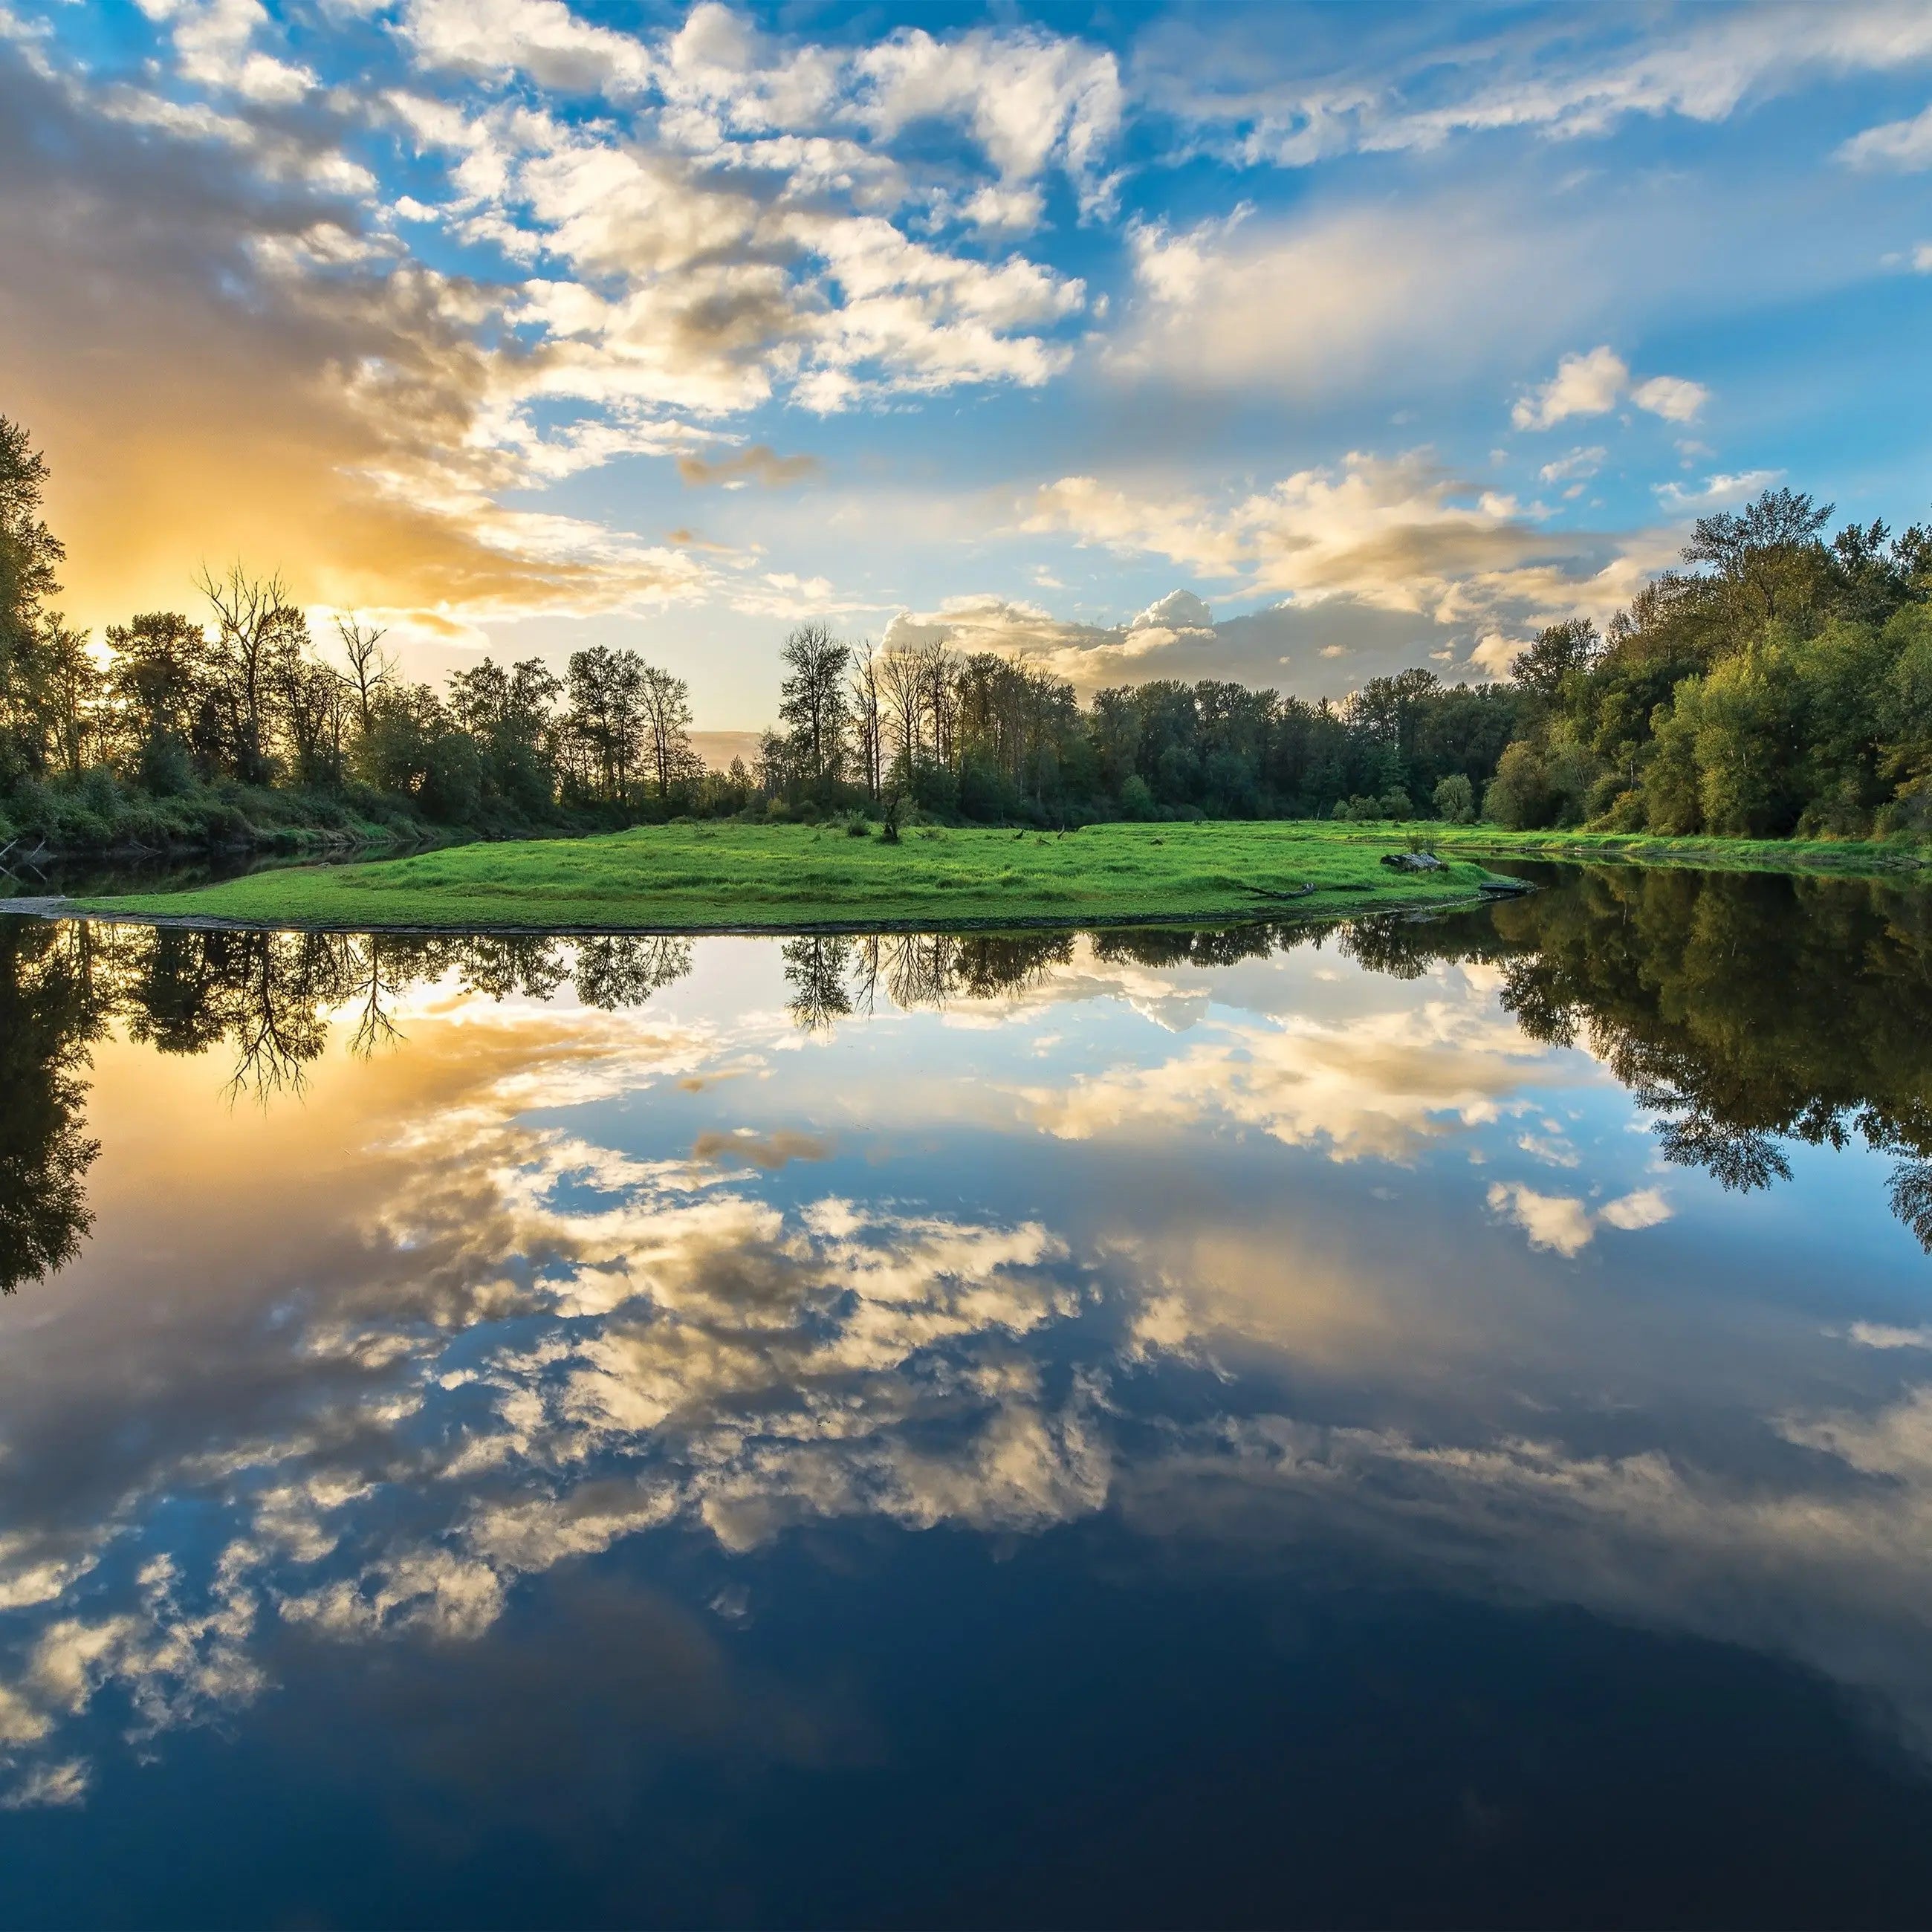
pixel 689 878
pixel 694 877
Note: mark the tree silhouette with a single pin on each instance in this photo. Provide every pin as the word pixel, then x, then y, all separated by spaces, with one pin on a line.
pixel 48 1015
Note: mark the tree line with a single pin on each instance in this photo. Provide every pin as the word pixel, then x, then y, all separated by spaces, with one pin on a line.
pixel 1781 686
pixel 986 739
pixel 206 722
pixel 1781 683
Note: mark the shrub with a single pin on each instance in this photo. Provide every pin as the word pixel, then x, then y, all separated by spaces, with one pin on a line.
pixel 1455 800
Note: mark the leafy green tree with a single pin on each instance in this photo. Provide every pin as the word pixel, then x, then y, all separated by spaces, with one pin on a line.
pixel 1561 652
pixel 1455 800
pixel 814 707
pixel 605 723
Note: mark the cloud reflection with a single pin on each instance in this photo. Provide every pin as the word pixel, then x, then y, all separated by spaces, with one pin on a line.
pixel 1225 1240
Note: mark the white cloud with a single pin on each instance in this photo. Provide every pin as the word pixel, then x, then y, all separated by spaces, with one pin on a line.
pixel 1341 298
pixel 1250 95
pixel 1577 466
pixel 1673 398
pixel 1380 1086
pixel 1584 385
pixel 1906 145
pixel 1592 384
pixel 1178 610
pixel 1030 99
pixel 215 45
pixel 1399 533
pixel 63 1782
pixel 1559 1222
pixel 1725 487
pixel 1646 1208
pixel 1882 1335
pixel 543 38
pixel 1565 1225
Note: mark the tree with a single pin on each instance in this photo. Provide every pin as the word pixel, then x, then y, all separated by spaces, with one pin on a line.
pixel 1455 800
pixel 28 555
pixel 606 716
pixel 312 704
pixel 71 684
pixel 1559 652
pixel 255 622
pixel 665 702
pixel 369 667
pixel 508 716
pixel 812 705
pixel 902 681
pixel 1766 557
pixel 157 685
pixel 48 1012
pixel 868 705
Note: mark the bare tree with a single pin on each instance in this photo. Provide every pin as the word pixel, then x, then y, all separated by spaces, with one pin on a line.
pixel 902 678
pixel 370 666
pixel 939 673
pixel 252 615
pixel 867 720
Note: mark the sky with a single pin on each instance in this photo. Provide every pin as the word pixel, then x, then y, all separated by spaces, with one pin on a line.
pixel 1296 344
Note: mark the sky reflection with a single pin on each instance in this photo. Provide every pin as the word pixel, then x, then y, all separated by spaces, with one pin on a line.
pixel 1237 1244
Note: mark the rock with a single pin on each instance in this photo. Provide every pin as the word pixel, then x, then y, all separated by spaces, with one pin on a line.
pixel 1414 862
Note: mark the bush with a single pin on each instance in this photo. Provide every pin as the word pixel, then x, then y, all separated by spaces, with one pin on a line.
pixel 99 793
pixel 1455 800
pixel 165 767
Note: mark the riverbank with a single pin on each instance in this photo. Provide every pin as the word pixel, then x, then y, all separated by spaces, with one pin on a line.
pixel 724 877
pixel 721 876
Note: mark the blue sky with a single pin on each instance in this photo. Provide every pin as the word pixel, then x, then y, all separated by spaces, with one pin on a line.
pixel 1380 334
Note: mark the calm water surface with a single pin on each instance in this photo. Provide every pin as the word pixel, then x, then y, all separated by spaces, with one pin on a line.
pixel 1430 1424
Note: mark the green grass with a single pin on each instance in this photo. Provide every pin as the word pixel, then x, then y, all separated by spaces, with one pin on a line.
pixel 669 878
pixel 689 878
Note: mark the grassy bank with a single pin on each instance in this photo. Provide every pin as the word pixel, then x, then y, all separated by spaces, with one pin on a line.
pixel 691 877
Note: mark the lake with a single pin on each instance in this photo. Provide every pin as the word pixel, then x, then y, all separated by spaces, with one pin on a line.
pixel 1426 1422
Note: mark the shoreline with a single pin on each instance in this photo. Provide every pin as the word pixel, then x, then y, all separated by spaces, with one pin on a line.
pixel 59 909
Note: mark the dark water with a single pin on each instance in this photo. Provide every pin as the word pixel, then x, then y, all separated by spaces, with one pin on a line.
pixel 1430 1424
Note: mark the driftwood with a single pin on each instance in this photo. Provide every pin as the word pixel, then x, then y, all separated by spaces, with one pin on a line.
pixel 1262 892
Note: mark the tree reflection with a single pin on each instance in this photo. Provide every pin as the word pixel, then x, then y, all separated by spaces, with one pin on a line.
pixel 271 998
pixel 48 1015
pixel 832 977
pixel 816 969
pixel 1744 1012
pixel 626 970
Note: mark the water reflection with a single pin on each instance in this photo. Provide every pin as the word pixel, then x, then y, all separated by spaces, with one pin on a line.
pixel 47 1017
pixel 422 1269
pixel 1745 1012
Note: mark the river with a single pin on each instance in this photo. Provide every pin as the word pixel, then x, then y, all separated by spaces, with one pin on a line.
pixel 1423 1423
